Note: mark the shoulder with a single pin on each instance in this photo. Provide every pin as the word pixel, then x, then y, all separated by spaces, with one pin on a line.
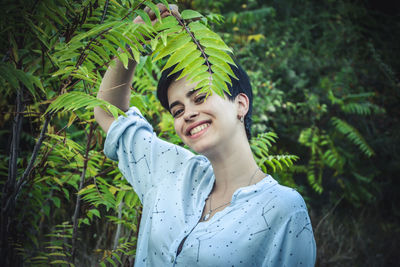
pixel 289 198
pixel 284 202
pixel 197 164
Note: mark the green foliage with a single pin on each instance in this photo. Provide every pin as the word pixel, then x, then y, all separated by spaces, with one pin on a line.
pixel 75 100
pixel 261 145
pixel 353 135
pixel 68 205
pixel 316 87
pixel 204 53
pixel 326 87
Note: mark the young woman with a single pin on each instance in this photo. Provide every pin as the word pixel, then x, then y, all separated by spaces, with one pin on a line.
pixel 213 209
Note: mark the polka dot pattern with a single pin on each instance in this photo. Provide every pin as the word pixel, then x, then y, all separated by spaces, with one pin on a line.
pixel 266 224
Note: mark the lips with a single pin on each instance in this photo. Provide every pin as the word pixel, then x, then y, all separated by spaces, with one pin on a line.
pixel 197 128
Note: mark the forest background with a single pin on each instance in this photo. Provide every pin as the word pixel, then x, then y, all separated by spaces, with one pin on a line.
pixel 326 80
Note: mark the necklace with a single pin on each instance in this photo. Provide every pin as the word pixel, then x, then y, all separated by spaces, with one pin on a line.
pixel 208 214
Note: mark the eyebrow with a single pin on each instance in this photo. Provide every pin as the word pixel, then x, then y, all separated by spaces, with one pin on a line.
pixel 188 95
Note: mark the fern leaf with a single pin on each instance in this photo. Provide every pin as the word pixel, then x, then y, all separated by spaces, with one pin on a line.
pixel 314 180
pixel 75 100
pixel 174 44
pixel 154 8
pixel 15 76
pixel 219 54
pixel 352 135
pixel 215 43
pixel 93 32
pixel 179 54
pixel 167 23
pixel 194 76
pixel 187 61
pixel 190 14
pixel 222 74
pixel 144 16
pixel 194 65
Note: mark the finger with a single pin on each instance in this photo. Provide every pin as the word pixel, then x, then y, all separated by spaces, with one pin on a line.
pixel 139 20
pixel 165 14
pixel 146 9
pixel 162 7
pixel 175 11
pixel 151 14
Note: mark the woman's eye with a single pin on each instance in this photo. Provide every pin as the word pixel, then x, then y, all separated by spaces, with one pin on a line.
pixel 177 112
pixel 200 98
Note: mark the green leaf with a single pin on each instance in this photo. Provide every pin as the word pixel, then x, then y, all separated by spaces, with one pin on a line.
pixel 219 84
pixel 58 262
pixel 124 59
pixel 222 65
pixel 75 100
pixel 144 16
pixel 198 74
pixel 8 75
pixel 95 212
pixel 165 2
pixel 179 54
pixel 206 33
pixel 187 61
pixel 56 201
pixel 117 257
pixel 93 32
pixel 221 74
pixel 219 54
pixel 214 43
pixel 154 8
pixel 111 261
pixel 352 135
pixel 192 66
pixel 190 14
pixel 198 26
pixel 120 197
pixel 174 44
pixel 166 23
pixel 100 50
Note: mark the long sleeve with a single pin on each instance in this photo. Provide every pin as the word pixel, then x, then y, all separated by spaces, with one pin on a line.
pixel 142 157
pixel 293 244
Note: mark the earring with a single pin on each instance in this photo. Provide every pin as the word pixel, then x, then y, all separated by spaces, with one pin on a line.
pixel 241 118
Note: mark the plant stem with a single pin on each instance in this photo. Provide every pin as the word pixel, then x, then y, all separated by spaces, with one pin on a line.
pixel 197 44
pixel 9 189
pixel 35 152
pixel 104 11
pixel 78 197
pixel 119 226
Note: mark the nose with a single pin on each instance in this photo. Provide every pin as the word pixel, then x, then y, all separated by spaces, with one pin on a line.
pixel 191 115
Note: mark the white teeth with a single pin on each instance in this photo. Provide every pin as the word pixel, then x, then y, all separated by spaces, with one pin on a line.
pixel 197 129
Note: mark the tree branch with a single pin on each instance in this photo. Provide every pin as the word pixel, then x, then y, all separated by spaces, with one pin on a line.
pixel 197 44
pixel 78 197
pixel 104 11
pixel 119 226
pixel 9 189
pixel 35 152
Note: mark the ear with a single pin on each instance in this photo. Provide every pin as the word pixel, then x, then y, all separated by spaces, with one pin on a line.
pixel 242 103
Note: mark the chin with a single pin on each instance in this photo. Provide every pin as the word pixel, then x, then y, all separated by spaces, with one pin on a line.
pixel 204 148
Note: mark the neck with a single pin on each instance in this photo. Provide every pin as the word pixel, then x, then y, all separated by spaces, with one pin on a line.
pixel 234 168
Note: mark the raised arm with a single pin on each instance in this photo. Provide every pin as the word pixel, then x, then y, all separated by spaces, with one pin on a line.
pixel 114 88
pixel 116 83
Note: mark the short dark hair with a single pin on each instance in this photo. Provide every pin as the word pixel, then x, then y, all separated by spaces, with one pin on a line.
pixel 242 85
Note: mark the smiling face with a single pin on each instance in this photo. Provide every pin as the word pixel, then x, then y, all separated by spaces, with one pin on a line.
pixel 207 125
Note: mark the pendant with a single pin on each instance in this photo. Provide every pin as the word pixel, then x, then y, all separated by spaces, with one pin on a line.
pixel 205 217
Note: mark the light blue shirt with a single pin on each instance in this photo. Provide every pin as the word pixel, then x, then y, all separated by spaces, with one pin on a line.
pixel 266 224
